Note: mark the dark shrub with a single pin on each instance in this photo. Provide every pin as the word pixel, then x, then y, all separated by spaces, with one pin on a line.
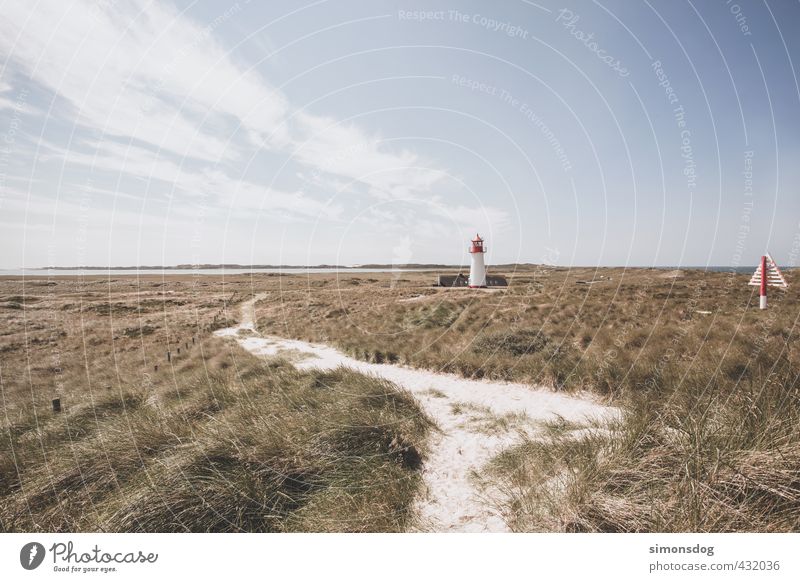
pixel 514 343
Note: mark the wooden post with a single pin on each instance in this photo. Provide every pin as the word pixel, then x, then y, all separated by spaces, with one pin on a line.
pixel 179 351
pixel 155 368
pixel 169 356
pixel 56 404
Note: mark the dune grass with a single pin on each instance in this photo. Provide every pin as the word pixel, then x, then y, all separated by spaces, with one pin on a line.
pixel 251 446
pixel 698 458
pixel 709 386
pixel 215 440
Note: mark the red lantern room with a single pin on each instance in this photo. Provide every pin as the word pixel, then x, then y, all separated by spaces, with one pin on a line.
pixel 477 245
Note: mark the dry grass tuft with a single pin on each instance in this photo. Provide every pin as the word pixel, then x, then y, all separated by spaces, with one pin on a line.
pixel 700 459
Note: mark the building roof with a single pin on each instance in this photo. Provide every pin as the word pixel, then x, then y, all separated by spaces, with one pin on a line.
pixel 477 238
pixel 461 280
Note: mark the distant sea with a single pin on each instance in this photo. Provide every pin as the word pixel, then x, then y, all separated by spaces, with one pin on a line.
pixel 743 270
pixel 301 270
pixel 185 272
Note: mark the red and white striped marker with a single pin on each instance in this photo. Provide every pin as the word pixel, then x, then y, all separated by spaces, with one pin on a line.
pixel 766 274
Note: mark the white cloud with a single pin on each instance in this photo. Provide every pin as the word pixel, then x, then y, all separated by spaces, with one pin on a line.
pixel 218 189
pixel 141 71
pixel 144 74
pixel 480 217
pixel 250 198
pixel 345 150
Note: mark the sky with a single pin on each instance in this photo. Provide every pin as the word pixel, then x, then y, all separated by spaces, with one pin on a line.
pixel 340 132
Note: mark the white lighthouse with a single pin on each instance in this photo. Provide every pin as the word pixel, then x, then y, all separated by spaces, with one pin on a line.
pixel 477 270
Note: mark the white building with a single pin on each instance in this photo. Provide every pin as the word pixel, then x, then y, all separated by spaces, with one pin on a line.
pixel 477 271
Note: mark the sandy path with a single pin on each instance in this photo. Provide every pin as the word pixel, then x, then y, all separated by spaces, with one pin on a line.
pixel 466 411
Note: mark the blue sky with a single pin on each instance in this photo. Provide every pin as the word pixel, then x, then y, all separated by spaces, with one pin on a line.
pixel 575 132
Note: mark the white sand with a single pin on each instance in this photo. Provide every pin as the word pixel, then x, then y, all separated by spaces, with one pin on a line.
pixel 454 501
pixel 416 298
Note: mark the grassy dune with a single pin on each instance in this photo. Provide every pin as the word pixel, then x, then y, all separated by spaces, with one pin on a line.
pixel 215 440
pixel 711 436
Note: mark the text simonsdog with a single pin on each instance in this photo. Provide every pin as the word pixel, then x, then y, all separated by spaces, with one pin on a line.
pixel 696 549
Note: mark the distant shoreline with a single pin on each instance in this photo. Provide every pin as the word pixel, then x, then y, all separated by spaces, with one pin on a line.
pixel 235 266
pixel 361 268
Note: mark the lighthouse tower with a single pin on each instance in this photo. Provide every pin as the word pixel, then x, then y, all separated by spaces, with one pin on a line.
pixel 477 271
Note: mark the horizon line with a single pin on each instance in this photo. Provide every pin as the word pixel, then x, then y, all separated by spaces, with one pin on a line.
pixel 387 266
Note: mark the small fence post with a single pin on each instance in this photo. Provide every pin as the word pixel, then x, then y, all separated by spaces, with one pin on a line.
pixel 56 404
pixel 169 356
